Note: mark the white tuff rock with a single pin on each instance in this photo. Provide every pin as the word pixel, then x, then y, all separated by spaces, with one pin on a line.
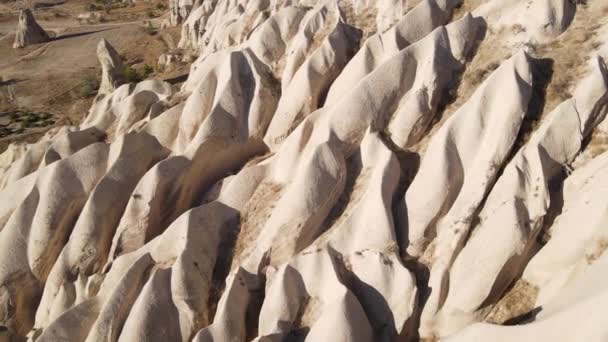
pixel 111 67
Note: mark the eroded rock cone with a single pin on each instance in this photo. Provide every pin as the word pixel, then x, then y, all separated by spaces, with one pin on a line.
pixel 28 30
pixel 111 67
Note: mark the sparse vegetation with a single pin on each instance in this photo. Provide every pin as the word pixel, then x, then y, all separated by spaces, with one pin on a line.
pixel 19 121
pixel 147 70
pixel 149 28
pixel 365 20
pixel 516 302
pixel 88 87
pixel 517 28
pixel 132 75
pixel 570 54
pixel 598 249
pixel 338 234
pixel 69 88
pixel 480 74
pixel 92 7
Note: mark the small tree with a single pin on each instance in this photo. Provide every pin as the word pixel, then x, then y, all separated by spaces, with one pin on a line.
pixel 147 70
pixel 131 75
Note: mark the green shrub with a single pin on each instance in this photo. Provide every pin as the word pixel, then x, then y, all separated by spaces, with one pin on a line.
pixel 88 87
pixel 147 70
pixel 30 119
pixel 131 75
pixel 91 7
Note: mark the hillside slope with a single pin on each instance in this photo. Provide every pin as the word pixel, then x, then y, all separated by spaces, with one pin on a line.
pixel 333 170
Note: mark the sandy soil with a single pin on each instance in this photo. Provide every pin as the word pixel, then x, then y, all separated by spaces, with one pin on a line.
pixel 56 77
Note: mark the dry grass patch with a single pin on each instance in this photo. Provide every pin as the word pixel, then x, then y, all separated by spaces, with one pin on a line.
pixel 365 20
pixel 570 53
pixel 515 303
pixel 356 184
pixel 598 144
pixel 254 216
pixel 598 249
pixel 490 53
pixel 320 36
pixel 464 7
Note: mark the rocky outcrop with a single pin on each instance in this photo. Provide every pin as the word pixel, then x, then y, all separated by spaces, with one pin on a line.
pixel 168 60
pixel 322 176
pixel 512 217
pixel 460 179
pixel 28 31
pixel 111 67
pixel 55 145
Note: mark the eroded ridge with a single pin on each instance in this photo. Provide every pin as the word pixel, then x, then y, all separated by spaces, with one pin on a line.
pixel 328 171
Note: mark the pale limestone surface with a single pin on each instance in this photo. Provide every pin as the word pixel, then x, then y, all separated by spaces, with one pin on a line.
pixel 111 67
pixel 509 222
pixel 306 182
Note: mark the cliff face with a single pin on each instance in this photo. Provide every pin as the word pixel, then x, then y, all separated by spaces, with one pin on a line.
pixel 329 171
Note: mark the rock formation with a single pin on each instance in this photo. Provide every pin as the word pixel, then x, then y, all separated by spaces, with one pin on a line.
pixel 111 67
pixel 168 60
pixel 329 171
pixel 28 31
